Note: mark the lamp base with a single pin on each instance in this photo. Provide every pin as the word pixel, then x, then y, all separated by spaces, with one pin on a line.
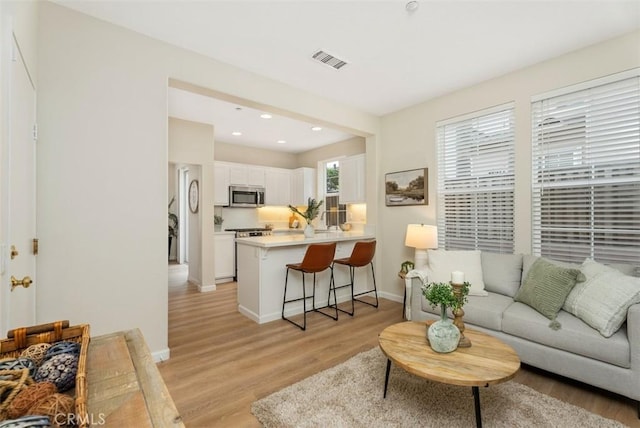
pixel 420 259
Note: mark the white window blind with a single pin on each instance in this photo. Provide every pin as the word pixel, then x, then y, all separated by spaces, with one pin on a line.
pixel 476 181
pixel 586 173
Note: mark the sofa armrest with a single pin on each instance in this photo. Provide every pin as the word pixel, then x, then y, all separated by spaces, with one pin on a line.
pixel 633 334
pixel 414 302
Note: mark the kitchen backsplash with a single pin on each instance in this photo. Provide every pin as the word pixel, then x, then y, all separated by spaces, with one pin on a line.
pixel 278 217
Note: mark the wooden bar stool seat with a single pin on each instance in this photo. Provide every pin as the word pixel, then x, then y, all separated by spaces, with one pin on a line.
pixel 317 258
pixel 361 255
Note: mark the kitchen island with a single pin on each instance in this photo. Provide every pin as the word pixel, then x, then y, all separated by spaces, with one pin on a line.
pixel 262 268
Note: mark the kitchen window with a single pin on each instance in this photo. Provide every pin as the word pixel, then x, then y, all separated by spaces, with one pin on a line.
pixel 586 171
pixel 335 212
pixel 476 180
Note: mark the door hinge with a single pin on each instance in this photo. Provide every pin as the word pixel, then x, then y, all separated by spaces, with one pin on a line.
pixel 35 246
pixel 35 132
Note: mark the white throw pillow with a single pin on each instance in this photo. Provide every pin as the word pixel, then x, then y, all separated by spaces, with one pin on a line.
pixel 603 299
pixel 441 263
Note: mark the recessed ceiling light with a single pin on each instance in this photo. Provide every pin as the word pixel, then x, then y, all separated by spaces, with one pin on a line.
pixel 266 116
pixel 412 6
pixel 236 133
pixel 282 141
pixel 316 128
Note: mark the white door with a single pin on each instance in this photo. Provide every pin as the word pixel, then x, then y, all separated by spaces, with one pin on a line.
pixel 19 197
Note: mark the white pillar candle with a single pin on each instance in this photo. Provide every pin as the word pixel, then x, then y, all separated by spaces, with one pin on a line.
pixel 457 277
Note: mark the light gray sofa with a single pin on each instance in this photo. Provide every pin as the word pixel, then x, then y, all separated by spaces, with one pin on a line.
pixel 576 350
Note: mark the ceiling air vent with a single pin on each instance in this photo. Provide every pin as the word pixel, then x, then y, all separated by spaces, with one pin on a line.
pixel 329 60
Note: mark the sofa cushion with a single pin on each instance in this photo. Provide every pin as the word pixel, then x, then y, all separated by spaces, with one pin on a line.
pixel 546 287
pixel 528 260
pixel 502 273
pixel 441 263
pixel 603 299
pixel 483 311
pixel 486 311
pixel 575 336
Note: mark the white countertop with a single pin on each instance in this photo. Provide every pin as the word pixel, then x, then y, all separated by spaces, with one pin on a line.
pixel 284 240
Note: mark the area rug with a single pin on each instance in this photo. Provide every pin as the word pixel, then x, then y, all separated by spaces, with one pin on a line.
pixel 350 395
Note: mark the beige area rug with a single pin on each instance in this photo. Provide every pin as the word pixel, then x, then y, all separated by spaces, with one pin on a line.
pixel 350 395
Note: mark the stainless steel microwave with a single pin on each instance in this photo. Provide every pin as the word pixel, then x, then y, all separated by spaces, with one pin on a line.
pixel 246 196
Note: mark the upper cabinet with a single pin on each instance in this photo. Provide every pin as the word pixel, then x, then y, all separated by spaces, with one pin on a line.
pixel 282 186
pixel 352 179
pixel 277 186
pixel 221 184
pixel 228 173
pixel 303 185
pixel 246 175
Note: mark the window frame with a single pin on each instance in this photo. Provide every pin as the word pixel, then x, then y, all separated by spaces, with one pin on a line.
pixel 587 153
pixel 474 191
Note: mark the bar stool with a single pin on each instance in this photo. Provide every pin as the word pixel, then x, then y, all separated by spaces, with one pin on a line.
pixel 317 258
pixel 361 255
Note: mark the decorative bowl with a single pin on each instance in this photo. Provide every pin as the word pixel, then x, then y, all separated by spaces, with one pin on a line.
pixel 345 227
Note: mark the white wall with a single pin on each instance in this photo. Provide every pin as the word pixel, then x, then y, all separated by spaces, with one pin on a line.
pixel 192 144
pixel 413 134
pixel 254 156
pixel 102 164
pixel 350 147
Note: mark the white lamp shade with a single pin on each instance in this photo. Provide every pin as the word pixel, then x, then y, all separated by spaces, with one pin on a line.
pixel 421 236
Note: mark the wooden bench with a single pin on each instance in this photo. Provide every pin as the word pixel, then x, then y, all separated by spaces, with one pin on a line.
pixel 124 385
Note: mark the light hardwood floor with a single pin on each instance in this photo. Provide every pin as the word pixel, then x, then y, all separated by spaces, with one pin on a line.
pixel 221 361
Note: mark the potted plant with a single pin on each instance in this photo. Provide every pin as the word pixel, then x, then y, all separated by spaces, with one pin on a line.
pixel 173 224
pixel 217 221
pixel 443 335
pixel 312 211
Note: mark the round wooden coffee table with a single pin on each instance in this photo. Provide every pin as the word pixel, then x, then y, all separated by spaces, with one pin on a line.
pixel 488 361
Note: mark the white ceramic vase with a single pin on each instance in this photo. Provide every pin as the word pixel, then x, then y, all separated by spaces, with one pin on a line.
pixel 443 334
pixel 309 231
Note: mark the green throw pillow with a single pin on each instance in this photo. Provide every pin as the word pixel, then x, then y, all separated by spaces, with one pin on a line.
pixel 546 287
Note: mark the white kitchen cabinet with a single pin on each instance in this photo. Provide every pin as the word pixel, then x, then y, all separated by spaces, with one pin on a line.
pixel 224 256
pixel 221 184
pixel 277 186
pixel 352 179
pixel 303 185
pixel 246 175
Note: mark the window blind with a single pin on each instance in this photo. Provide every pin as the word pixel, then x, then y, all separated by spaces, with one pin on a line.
pixel 476 181
pixel 586 173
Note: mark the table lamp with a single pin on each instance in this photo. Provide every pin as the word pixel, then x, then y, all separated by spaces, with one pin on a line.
pixel 421 237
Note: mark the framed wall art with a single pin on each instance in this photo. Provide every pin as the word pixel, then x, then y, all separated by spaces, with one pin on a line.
pixel 406 188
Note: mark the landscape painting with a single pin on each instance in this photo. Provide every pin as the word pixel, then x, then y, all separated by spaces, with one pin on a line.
pixel 406 187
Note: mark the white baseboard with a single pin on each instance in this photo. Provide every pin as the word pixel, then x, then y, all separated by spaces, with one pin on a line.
pixel 160 356
pixel 252 315
pixel 206 288
pixel 392 297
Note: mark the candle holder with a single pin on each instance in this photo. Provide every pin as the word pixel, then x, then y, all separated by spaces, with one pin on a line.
pixel 458 313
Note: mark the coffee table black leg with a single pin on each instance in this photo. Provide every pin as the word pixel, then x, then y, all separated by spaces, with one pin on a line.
pixel 476 400
pixel 386 378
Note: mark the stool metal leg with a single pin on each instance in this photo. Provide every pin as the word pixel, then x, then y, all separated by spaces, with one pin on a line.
pixel 304 302
pixel 332 286
pixel 304 298
pixel 375 290
pixel 351 276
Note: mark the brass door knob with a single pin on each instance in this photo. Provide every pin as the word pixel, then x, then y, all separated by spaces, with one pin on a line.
pixel 25 282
